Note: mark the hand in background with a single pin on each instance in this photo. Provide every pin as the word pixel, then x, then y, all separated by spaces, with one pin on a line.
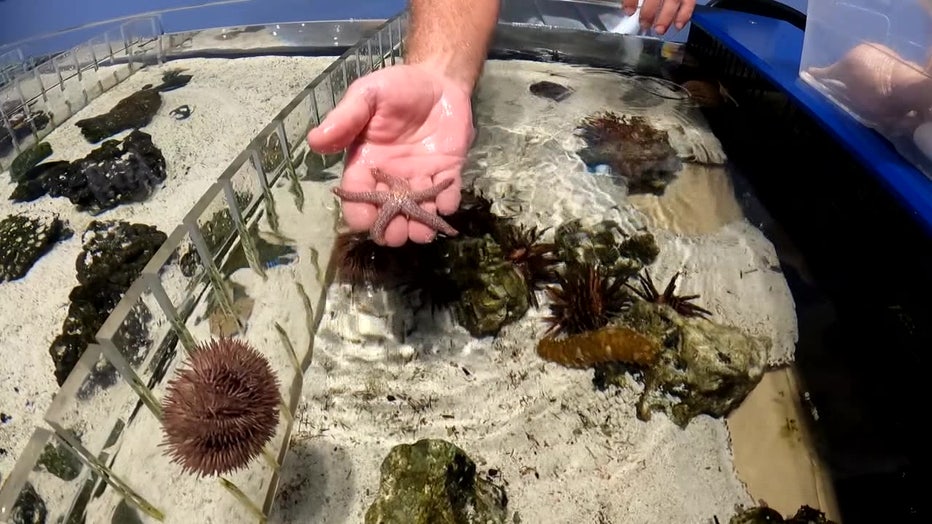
pixel 660 14
pixel 410 122
pixel 879 85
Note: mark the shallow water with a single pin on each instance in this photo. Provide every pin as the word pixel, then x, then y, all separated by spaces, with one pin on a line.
pixel 386 372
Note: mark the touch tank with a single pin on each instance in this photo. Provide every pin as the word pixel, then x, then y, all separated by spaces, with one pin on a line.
pixel 610 338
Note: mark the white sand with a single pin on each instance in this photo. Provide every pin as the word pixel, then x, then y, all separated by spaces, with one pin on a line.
pixel 567 452
pixel 231 101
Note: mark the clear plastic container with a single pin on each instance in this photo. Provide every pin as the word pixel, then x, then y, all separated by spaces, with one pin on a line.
pixel 873 58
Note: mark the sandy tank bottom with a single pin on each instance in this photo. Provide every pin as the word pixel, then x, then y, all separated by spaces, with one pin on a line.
pixel 230 101
pixel 565 452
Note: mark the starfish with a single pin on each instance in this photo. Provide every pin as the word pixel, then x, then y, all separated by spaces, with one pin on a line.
pixel 399 199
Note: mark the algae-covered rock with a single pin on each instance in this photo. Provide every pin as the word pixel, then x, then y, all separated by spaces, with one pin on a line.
pixel 765 515
pixel 132 112
pixel 28 159
pixel 494 293
pixel 29 507
pixel 639 156
pixel 61 463
pixel 605 244
pixel 24 240
pixel 702 367
pixel 435 482
pixel 113 256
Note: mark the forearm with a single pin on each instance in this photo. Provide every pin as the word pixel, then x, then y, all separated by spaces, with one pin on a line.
pixel 452 35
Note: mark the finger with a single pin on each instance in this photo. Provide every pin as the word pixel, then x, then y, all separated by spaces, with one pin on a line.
pixel 396 234
pixel 417 231
pixel 629 6
pixel 448 201
pixel 346 120
pixel 649 11
pixel 665 16
pixel 684 14
pixel 359 216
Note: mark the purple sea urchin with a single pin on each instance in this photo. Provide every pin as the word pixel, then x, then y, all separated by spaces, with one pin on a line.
pixel 222 409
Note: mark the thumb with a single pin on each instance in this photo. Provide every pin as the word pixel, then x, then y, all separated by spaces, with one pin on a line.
pixel 345 121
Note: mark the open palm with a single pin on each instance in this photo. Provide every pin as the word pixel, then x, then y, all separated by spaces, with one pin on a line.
pixel 409 122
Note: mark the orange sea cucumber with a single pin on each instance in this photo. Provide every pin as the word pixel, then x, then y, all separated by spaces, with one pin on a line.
pixel 608 344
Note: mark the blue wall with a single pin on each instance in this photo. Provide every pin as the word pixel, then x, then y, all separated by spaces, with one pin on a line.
pixel 26 19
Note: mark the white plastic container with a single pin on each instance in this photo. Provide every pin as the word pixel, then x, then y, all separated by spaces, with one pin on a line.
pixel 873 58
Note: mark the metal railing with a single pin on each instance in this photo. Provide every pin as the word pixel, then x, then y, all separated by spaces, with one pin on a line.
pixel 39 94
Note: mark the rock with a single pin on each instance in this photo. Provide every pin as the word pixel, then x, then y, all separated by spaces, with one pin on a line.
pixel 63 464
pixel 552 90
pixel 434 482
pixel 132 112
pixel 639 155
pixel 24 240
pixel 34 183
pixel 113 174
pixel 765 515
pixel 113 256
pixel 28 159
pixel 702 368
pixel 29 507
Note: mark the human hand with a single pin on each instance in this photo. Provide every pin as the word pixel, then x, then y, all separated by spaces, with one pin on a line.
pixel 659 14
pixel 406 120
pixel 879 85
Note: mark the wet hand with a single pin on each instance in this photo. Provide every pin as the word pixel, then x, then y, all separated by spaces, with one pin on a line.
pixel 660 14
pixel 407 120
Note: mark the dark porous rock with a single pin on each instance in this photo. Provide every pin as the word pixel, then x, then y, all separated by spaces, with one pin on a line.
pixel 29 507
pixel 133 112
pixel 113 174
pixel 551 90
pixel 434 482
pixel 34 183
pixel 604 244
pixel 113 256
pixel 24 240
pixel 29 158
pixel 702 368
pixel 765 515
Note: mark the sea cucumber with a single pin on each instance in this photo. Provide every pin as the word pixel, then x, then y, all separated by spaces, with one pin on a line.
pixel 609 344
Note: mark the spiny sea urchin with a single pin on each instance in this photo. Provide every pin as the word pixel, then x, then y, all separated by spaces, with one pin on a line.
pixel 534 260
pixel 585 298
pixel 682 304
pixel 222 409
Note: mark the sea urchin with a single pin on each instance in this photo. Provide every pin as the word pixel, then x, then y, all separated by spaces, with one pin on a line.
pixel 222 409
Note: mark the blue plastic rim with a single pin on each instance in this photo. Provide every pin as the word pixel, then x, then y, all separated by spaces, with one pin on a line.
pixel 774 48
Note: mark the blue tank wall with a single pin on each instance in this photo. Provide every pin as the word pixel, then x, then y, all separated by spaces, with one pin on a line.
pixel 26 19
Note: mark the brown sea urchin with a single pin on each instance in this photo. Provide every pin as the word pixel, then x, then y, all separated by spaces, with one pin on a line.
pixel 682 304
pixel 222 409
pixel 585 298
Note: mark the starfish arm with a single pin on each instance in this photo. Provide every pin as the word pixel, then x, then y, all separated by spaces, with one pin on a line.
pixel 372 197
pixel 431 193
pixel 416 212
pixel 386 213
pixel 393 182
